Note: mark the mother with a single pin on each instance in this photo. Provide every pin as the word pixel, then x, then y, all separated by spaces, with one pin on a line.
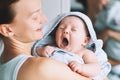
pixel 20 25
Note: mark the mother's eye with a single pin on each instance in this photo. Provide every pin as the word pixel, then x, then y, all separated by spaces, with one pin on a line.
pixel 34 17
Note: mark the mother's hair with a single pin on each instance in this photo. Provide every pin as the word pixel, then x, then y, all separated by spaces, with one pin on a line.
pixel 7 13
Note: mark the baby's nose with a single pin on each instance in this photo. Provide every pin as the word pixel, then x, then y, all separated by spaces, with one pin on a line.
pixel 66 31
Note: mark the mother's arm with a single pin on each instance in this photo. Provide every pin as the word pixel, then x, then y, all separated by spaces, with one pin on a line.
pixel 46 69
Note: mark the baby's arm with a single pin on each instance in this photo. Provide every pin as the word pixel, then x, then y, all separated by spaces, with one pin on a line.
pixel 45 51
pixel 90 69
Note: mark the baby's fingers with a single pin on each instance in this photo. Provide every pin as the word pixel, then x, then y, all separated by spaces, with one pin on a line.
pixel 73 66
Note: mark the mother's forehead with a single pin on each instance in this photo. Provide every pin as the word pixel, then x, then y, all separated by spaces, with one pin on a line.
pixel 27 5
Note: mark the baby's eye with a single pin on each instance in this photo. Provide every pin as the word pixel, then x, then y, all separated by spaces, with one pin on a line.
pixel 74 29
pixel 61 27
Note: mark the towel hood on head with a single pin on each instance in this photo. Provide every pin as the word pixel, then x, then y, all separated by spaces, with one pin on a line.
pixel 50 27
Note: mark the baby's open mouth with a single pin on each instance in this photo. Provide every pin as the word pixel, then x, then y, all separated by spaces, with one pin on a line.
pixel 65 41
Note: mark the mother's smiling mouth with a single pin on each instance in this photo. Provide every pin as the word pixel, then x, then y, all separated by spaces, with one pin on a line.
pixel 39 29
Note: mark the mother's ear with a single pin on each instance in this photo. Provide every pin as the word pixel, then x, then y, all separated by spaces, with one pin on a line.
pixel 6 30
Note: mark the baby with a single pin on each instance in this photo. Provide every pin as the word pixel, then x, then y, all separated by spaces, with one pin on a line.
pixel 72 37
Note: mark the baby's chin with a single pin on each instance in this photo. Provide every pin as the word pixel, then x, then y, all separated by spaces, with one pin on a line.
pixel 67 49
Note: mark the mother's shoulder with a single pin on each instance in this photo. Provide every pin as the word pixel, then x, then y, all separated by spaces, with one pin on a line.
pixel 38 68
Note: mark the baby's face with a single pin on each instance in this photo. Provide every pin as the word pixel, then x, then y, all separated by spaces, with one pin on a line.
pixel 71 34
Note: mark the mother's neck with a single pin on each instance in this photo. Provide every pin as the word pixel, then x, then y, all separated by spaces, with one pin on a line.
pixel 12 48
pixel 17 46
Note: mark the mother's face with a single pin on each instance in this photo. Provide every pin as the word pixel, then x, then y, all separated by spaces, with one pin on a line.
pixel 26 26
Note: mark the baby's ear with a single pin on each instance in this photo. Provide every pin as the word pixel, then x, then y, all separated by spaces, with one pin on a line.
pixel 86 41
pixel 5 30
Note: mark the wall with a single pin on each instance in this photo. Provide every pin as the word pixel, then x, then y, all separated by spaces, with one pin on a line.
pixel 54 7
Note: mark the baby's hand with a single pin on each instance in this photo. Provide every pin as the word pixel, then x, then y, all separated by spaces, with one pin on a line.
pixel 75 66
pixel 45 51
